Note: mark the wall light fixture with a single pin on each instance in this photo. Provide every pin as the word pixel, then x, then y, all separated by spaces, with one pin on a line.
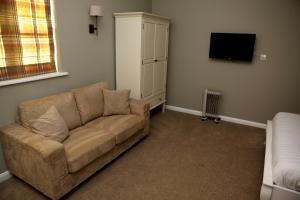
pixel 95 11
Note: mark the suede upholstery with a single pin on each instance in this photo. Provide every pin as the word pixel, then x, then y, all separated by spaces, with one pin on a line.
pixel 116 102
pixel 121 126
pixel 56 168
pixel 50 125
pixel 140 108
pixel 85 145
pixel 90 101
pixel 64 103
pixel 34 158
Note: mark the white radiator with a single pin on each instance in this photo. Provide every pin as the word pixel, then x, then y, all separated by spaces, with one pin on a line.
pixel 211 101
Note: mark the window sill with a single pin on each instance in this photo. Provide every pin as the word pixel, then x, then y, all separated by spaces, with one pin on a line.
pixel 33 78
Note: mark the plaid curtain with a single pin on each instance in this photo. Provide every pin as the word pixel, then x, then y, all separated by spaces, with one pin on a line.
pixel 26 39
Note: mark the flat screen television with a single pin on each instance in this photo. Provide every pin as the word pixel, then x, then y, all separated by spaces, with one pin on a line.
pixel 232 46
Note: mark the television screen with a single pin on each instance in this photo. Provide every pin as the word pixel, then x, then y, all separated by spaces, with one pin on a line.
pixel 232 46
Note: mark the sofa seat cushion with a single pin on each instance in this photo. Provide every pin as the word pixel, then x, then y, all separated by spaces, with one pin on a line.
pixel 84 145
pixel 122 126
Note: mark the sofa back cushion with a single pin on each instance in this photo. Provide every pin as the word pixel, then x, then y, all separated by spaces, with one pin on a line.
pixel 90 101
pixel 64 103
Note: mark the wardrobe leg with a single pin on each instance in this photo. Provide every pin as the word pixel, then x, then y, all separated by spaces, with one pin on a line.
pixel 164 107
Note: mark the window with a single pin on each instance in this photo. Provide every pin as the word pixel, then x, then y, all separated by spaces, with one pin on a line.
pixel 26 39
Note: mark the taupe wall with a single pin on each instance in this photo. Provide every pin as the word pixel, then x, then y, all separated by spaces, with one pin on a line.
pixel 86 57
pixel 252 91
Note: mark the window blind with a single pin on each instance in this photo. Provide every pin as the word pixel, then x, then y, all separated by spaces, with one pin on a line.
pixel 26 39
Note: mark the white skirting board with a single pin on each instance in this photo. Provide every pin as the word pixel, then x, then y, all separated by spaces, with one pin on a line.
pixel 4 176
pixel 224 118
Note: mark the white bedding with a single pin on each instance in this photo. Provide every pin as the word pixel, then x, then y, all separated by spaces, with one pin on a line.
pixel 286 150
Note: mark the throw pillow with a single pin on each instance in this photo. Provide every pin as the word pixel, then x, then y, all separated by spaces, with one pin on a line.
pixel 116 102
pixel 51 125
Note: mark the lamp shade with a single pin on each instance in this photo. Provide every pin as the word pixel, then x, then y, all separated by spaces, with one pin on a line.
pixel 96 11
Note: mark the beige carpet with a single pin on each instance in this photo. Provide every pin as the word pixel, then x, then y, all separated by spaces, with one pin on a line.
pixel 183 159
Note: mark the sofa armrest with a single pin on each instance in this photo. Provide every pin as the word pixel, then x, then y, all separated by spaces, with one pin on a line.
pixel 139 107
pixel 32 157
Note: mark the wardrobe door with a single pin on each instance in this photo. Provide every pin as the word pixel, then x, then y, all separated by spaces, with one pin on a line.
pixel 148 42
pixel 147 80
pixel 161 41
pixel 160 69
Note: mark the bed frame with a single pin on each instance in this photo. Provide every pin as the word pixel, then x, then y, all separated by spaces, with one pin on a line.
pixel 270 191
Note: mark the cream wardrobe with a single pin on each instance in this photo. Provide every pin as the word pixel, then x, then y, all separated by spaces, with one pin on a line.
pixel 141 55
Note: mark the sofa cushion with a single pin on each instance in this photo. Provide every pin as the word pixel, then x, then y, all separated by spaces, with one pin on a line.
pixel 50 125
pixel 64 103
pixel 84 145
pixel 90 101
pixel 122 126
pixel 116 102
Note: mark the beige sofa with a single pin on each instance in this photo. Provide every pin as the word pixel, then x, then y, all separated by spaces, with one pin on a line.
pixel 55 168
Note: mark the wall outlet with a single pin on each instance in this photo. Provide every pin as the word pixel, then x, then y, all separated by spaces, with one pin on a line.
pixel 263 57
